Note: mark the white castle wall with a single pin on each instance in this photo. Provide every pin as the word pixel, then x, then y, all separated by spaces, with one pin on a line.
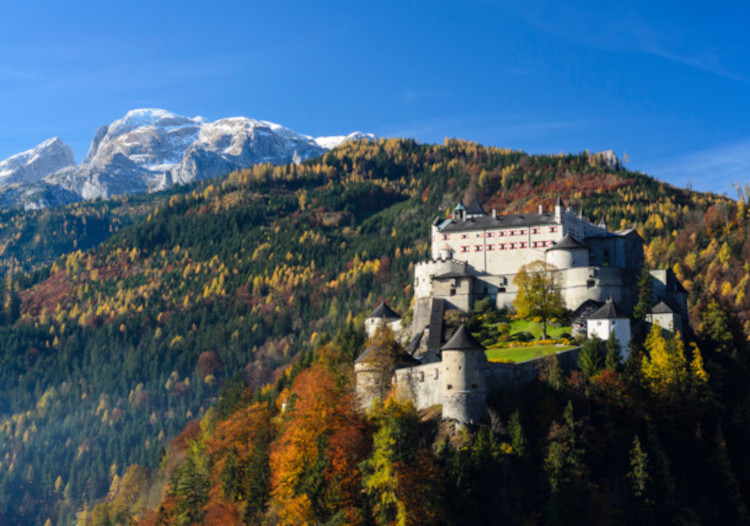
pixel 372 325
pixel 602 328
pixel 506 250
pixel 422 384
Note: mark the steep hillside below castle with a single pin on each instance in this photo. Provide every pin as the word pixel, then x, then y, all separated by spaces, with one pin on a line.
pixel 109 352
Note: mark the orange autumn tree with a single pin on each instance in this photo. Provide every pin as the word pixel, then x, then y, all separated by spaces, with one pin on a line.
pixel 314 462
pixel 238 449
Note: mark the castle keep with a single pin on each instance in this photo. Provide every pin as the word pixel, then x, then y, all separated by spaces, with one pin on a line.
pixel 476 255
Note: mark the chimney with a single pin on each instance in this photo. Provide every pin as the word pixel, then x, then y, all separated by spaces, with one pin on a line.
pixel 541 209
pixel 494 213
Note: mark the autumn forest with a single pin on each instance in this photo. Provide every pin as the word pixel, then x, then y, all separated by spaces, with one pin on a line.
pixel 186 357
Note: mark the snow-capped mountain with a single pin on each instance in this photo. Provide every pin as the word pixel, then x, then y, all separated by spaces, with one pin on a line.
pixel 152 149
pixel 32 165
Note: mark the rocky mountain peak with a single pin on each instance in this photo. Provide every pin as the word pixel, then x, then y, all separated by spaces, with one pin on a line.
pixel 150 149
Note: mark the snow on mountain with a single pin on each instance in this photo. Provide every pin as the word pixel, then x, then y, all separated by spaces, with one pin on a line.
pixel 336 140
pixel 150 149
pixel 32 165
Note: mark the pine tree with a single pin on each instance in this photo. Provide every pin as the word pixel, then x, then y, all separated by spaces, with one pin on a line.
pixel 613 358
pixel 638 474
pixel 643 306
pixel 591 357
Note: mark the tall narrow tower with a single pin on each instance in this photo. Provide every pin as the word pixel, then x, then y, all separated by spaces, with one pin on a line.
pixel 464 384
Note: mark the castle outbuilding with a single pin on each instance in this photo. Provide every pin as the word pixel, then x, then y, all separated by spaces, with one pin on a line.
pixel 608 319
pixel 665 317
pixel 382 315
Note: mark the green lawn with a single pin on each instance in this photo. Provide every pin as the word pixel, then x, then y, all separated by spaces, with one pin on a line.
pixel 522 354
pixel 536 329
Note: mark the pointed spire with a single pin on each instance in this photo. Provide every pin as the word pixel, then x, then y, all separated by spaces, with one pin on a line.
pixel 462 341
pixel 475 208
pixel 384 311
pixel 559 201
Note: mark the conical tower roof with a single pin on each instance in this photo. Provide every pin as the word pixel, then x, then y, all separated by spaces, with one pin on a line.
pixel 460 206
pixel 462 341
pixel 475 208
pixel 568 243
pixel 384 311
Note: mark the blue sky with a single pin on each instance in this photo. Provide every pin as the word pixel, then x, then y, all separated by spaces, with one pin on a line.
pixel 666 82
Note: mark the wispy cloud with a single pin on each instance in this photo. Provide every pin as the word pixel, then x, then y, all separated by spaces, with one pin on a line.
pixel 612 27
pixel 713 169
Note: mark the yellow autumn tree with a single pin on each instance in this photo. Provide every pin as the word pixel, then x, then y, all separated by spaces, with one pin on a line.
pixel 667 374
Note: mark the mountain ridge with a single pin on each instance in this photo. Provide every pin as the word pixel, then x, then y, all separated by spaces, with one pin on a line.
pixel 151 149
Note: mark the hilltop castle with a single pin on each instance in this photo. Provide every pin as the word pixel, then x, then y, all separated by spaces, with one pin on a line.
pixel 475 255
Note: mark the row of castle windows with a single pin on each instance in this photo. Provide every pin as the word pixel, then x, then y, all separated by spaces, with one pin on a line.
pixel 509 246
pixel 503 233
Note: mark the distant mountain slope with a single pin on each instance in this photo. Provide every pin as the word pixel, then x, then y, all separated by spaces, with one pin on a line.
pixel 151 149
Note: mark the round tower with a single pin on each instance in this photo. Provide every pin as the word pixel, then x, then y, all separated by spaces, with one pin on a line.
pixel 464 367
pixel 568 253
pixel 446 253
pixel 382 315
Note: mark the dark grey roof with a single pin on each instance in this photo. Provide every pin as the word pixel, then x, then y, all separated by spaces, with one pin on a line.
pixel 475 208
pixel 567 243
pixel 402 360
pixel 504 221
pixel 608 311
pixel 454 275
pixel 462 341
pixel 384 311
pixel 662 308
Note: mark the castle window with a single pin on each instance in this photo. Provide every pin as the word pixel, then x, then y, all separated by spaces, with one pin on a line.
pixel 477 248
pixel 512 233
pixel 534 230
pixel 464 236
pixel 446 237
pixel 590 283
pixel 490 247
pixel 453 291
pixel 449 386
pixel 552 229
pixel 512 246
pixel 437 373
pixel 521 232
pixel 421 376
pixel 479 235
pixel 464 249
pixel 489 234
pixel 523 244
pixel 502 233
pixel 501 289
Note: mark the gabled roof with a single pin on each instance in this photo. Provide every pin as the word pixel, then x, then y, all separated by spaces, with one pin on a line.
pixel 567 243
pixel 608 311
pixel 661 308
pixel 384 311
pixel 462 341
pixel 489 222
pixel 475 208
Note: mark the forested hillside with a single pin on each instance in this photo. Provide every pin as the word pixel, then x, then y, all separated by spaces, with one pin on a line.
pixel 109 352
